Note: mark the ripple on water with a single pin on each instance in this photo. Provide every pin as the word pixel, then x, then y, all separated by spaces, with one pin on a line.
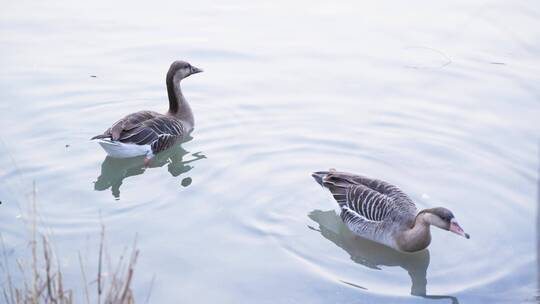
pixel 288 207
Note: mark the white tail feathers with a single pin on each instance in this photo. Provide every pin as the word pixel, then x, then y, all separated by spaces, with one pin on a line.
pixel 122 150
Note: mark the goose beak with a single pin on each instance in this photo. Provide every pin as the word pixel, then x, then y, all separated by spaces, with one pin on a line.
pixel 195 70
pixel 456 228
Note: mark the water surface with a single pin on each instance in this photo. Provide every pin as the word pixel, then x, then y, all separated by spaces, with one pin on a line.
pixel 441 99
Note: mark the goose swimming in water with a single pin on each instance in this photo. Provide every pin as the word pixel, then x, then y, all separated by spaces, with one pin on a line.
pixel 381 212
pixel 147 132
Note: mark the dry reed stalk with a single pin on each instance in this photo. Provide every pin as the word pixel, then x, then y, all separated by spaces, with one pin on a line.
pixel 8 272
pixel 85 283
pixel 34 245
pixel 99 290
pixel 47 283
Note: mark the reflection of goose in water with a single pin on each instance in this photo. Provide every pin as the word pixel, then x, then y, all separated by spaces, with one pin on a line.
pixel 373 255
pixel 115 170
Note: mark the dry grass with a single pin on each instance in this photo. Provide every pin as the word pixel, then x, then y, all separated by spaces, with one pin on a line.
pixel 42 280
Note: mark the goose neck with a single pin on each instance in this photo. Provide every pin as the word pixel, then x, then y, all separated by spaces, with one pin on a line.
pixel 178 105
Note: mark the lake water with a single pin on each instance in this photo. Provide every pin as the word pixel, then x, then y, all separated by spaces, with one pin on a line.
pixel 439 98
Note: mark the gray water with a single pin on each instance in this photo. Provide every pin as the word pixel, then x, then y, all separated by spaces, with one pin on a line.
pixel 439 98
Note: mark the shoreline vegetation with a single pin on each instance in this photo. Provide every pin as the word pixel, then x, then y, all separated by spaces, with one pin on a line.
pixel 40 278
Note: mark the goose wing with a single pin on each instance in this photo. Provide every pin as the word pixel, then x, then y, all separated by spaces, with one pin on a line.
pixel 367 202
pixel 363 210
pixel 359 224
pixel 147 128
pixel 362 200
pixel 160 132
pixel 370 208
pixel 370 198
pixel 126 124
pixel 164 142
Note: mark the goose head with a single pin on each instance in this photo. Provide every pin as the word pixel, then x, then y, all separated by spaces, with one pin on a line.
pixel 442 218
pixel 180 70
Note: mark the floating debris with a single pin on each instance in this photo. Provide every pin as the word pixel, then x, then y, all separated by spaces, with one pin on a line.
pixel 186 181
pixel 93 76
pixel 500 63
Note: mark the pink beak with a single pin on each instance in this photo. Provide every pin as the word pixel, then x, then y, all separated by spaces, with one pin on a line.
pixel 455 228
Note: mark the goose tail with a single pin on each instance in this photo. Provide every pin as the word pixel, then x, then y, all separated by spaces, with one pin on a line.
pixel 336 186
pixel 118 149
pixel 100 136
pixel 319 176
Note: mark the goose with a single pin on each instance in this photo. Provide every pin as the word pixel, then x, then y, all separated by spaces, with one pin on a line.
pixel 148 132
pixel 381 212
